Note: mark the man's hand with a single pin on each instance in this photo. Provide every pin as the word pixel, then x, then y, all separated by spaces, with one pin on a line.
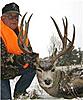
pixel 26 58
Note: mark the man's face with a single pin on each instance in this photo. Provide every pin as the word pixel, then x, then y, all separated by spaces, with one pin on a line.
pixel 11 20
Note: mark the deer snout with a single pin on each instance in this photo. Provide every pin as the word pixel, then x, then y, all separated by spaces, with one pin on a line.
pixel 47 81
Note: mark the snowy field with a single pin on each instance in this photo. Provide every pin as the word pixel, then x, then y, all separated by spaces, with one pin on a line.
pixel 35 86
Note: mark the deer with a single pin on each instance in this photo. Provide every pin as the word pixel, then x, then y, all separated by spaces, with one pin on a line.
pixel 54 81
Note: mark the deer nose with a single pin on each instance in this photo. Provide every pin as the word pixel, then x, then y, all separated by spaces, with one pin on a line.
pixel 47 81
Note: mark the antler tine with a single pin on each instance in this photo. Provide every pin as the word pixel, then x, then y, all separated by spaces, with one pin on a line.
pixel 73 34
pixel 22 38
pixel 26 33
pixel 58 30
pixel 21 25
pixel 72 42
pixel 27 27
pixel 27 24
pixel 69 48
pixel 65 24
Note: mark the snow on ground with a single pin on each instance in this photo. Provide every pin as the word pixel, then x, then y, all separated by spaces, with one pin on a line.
pixel 34 85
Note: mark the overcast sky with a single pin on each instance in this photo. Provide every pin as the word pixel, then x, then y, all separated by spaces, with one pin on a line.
pixel 41 26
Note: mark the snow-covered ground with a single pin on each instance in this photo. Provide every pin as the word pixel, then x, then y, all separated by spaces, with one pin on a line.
pixel 35 86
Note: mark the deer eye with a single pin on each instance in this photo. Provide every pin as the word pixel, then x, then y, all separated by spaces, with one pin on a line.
pixel 53 70
pixel 39 70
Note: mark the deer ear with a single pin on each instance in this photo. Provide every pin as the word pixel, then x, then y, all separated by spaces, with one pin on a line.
pixel 54 53
pixel 37 62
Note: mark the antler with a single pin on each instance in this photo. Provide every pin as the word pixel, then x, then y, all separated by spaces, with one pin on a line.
pixel 29 56
pixel 22 37
pixel 65 47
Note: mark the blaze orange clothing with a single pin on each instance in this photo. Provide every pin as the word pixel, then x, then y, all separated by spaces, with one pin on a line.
pixel 10 39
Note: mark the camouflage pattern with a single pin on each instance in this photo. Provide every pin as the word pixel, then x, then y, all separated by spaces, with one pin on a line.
pixel 8 69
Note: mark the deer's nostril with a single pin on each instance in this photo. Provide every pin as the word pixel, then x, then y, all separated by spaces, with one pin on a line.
pixel 47 82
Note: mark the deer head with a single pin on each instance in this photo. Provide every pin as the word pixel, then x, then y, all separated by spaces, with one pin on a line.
pixel 48 75
pixel 53 80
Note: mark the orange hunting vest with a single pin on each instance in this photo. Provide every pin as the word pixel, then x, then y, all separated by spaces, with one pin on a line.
pixel 10 39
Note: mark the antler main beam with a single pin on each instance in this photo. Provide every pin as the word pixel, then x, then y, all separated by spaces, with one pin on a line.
pixel 64 38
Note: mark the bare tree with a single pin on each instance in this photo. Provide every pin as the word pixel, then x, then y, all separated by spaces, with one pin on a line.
pixel 54 45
